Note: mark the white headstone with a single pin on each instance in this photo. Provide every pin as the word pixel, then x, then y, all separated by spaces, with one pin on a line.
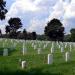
pixel 67 56
pixel 57 43
pixel 24 64
pixel 59 46
pixel 50 58
pixel 34 47
pixel 52 50
pixel 24 49
pixel 5 52
pixel 39 50
pixel 52 44
pixel 44 46
pixel 65 45
pixel 62 49
pixel 52 47
pixel 32 44
pixel 14 45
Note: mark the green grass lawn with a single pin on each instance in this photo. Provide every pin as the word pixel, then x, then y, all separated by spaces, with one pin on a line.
pixel 36 64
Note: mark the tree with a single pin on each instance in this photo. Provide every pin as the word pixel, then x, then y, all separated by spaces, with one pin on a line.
pixel 29 36
pixel 7 28
pixel 67 38
pixel 41 37
pixel 34 35
pixel 72 31
pixel 54 30
pixel 14 25
pixel 3 10
pixel 25 34
pixel 60 34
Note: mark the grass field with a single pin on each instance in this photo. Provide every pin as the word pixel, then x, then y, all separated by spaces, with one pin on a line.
pixel 36 63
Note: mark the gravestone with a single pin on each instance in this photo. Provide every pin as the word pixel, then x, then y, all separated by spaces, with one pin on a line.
pixel 62 49
pixel 52 49
pixel 70 47
pixel 35 47
pixel 66 45
pixel 67 56
pixel 44 46
pixel 59 46
pixel 39 50
pixel 24 64
pixel 5 52
pixel 50 58
pixel 24 49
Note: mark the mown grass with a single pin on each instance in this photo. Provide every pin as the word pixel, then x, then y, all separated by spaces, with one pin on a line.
pixel 36 64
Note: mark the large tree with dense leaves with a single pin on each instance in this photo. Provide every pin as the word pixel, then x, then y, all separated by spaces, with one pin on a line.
pixel 54 30
pixel 7 28
pixel 14 25
pixel 3 10
pixel 34 35
pixel 72 31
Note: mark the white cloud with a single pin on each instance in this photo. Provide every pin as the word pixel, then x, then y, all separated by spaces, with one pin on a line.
pixel 63 10
pixel 58 10
pixel 37 25
pixel 2 27
pixel 38 12
pixel 21 6
pixel 69 14
pixel 36 2
pixel 70 11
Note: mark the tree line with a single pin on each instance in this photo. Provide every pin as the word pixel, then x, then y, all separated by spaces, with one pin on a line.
pixel 53 31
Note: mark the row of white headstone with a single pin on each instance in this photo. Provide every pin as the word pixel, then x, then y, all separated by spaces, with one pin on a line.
pixel 67 57
pixel 49 60
pixel 39 50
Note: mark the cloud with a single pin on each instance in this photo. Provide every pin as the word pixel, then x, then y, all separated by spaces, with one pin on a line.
pixel 70 11
pixel 37 25
pixel 21 6
pixel 2 27
pixel 36 13
pixel 59 9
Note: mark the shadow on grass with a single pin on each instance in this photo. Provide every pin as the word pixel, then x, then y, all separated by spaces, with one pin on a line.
pixel 1 51
pixel 33 71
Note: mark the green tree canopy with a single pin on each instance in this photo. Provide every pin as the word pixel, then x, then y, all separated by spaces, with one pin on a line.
pixel 34 35
pixel 54 30
pixel 15 23
pixel 3 10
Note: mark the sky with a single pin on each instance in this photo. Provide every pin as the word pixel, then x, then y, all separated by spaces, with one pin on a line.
pixel 35 14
